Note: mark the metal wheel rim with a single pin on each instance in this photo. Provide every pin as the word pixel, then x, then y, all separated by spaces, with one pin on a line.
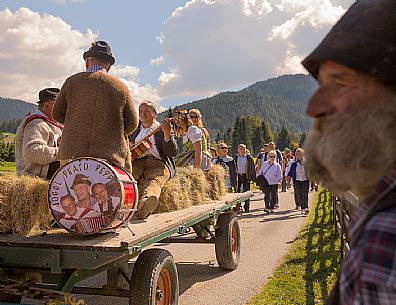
pixel 163 294
pixel 234 242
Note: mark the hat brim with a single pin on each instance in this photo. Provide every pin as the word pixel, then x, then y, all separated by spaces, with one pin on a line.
pixel 42 101
pixel 108 58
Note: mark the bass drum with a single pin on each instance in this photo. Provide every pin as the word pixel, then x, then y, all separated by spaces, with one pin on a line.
pixel 88 195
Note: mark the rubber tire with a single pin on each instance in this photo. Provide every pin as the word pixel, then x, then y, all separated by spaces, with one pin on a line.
pixel 5 297
pixel 145 275
pixel 224 241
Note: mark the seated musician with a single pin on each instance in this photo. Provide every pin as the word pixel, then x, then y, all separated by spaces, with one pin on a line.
pixel 156 165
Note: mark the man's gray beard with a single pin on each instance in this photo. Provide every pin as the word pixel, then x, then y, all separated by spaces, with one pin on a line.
pixel 352 151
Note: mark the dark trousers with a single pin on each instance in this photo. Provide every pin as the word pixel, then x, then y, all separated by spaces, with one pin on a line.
pixel 295 197
pixel 244 186
pixel 284 183
pixel 301 190
pixel 270 196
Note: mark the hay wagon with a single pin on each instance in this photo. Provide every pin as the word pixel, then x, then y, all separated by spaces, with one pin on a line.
pixel 50 266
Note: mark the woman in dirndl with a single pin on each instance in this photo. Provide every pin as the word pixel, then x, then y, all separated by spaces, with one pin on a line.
pixel 196 152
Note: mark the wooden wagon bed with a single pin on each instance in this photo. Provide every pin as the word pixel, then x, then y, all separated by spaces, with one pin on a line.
pixel 122 238
pixel 52 265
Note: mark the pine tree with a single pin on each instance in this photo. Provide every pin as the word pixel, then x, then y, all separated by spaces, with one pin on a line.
pixel 257 140
pixel 302 139
pixel 219 138
pixel 236 136
pixel 266 132
pixel 228 136
pixel 169 113
pixel 284 139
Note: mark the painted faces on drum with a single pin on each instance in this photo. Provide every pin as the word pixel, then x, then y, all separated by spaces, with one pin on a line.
pixel 69 205
pixel 147 114
pixel 82 191
pixel 100 193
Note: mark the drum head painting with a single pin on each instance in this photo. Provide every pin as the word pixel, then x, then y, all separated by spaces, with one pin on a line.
pixel 85 195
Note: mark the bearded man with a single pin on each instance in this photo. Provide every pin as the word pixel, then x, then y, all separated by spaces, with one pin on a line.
pixel 352 143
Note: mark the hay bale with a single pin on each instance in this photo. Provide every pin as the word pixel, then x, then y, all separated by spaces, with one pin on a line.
pixel 199 187
pixel 174 195
pixel 215 179
pixel 190 187
pixel 23 205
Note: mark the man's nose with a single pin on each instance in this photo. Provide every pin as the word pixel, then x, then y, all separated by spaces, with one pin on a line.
pixel 320 104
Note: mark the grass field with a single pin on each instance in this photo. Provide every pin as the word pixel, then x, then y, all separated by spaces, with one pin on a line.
pixel 309 269
pixel 7 168
pixel 7 137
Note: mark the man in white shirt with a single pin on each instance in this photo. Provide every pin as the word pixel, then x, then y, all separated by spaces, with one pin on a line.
pixel 246 172
pixel 156 165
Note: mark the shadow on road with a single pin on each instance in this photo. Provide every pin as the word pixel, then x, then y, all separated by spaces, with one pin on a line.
pixel 193 273
pixel 281 215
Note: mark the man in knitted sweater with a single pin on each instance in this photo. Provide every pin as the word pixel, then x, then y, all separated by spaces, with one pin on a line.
pixel 37 139
pixel 97 111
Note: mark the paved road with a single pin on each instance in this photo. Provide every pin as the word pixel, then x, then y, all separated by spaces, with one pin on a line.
pixel 265 239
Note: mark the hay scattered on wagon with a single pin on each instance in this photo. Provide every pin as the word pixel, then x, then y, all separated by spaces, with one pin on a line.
pixel 23 205
pixel 191 187
pixel 215 178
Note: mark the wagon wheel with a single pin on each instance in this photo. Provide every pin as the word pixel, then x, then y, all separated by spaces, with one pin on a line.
pixel 227 242
pixel 16 299
pixel 154 279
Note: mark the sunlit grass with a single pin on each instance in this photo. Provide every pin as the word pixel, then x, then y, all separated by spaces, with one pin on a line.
pixel 7 168
pixel 309 269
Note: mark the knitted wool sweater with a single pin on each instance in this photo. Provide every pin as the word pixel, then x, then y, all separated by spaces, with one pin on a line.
pixel 36 147
pixel 98 113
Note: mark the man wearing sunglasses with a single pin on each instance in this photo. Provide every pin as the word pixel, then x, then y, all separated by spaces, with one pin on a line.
pixel 228 164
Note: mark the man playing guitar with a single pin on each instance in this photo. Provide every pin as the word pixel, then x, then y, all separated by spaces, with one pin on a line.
pixel 153 166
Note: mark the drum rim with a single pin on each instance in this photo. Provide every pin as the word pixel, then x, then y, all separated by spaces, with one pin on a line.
pixel 122 197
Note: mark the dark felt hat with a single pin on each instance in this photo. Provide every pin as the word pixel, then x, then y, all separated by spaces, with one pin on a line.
pixel 48 94
pixel 102 50
pixel 364 39
pixel 80 179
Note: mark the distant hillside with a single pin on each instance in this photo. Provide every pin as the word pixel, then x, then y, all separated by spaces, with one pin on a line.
pixel 280 100
pixel 14 109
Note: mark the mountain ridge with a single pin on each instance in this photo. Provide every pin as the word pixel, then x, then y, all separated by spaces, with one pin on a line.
pixel 280 100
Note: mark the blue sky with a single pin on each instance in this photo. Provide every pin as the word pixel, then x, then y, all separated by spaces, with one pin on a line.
pixel 168 51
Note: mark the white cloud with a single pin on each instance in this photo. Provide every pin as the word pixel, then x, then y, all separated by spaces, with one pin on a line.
pixel 39 50
pixel 129 75
pixel 157 61
pixel 256 7
pixel 221 44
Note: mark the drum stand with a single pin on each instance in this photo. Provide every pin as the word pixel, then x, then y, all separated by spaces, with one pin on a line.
pixel 127 226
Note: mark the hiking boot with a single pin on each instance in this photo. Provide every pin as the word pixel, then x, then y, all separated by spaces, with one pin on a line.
pixel 146 206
